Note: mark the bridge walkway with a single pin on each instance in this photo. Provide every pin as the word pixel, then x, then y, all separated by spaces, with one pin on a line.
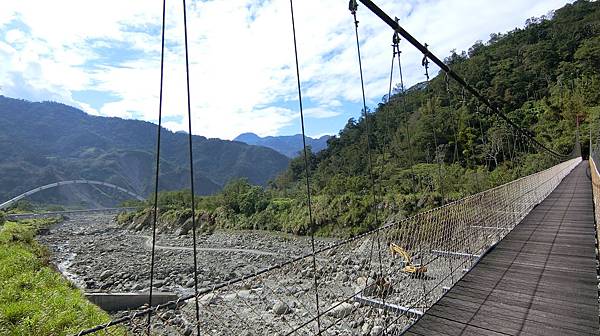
pixel 539 280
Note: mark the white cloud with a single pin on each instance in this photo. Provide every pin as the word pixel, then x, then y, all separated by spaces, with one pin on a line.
pixel 241 54
pixel 14 36
pixel 321 112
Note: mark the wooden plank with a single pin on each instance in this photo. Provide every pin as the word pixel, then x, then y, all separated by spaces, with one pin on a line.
pixel 539 280
pixel 517 309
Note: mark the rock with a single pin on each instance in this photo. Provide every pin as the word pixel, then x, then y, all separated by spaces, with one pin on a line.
pixel 167 315
pixel 364 248
pixel 106 274
pixel 376 330
pixel 185 227
pixel 366 329
pixel 209 298
pixel 342 277
pixel 281 308
pixel 106 285
pixel 367 285
pixel 244 294
pixel 341 310
pixel 137 287
pixel 230 297
pixel 190 283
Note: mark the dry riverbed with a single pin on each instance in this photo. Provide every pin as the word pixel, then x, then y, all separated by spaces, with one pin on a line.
pixel 98 255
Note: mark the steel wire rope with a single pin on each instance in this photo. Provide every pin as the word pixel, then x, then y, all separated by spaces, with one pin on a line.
pixel 468 109
pixel 178 302
pixel 414 305
pixel 353 7
pixel 306 168
pixel 191 158
pixel 454 125
pixel 451 274
pixel 454 244
pixel 429 105
pixel 157 165
pixel 396 51
pixel 551 178
pixel 493 107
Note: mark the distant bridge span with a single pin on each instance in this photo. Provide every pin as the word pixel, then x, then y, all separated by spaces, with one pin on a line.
pixel 56 184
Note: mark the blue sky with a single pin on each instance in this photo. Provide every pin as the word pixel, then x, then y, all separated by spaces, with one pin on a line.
pixel 103 56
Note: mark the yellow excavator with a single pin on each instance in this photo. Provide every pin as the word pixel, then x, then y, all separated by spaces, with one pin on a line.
pixel 409 267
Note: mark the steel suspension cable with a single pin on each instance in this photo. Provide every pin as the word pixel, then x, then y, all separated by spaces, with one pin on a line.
pixel 191 158
pixel 423 49
pixel 425 63
pixel 397 51
pixel 455 125
pixel 306 169
pixel 476 165
pixel 353 6
pixel 157 165
pixel 179 301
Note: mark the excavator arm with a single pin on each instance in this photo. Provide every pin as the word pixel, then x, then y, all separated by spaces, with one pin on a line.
pixel 408 265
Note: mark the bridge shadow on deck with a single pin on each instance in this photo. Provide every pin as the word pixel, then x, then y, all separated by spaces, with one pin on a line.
pixel 539 280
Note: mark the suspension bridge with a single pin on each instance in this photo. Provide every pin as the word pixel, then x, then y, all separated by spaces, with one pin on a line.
pixel 517 259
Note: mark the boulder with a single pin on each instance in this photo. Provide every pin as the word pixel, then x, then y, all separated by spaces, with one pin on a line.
pixel 341 310
pixel 281 308
pixel 106 274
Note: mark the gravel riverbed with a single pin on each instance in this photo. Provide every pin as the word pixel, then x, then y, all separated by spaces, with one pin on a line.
pixel 99 256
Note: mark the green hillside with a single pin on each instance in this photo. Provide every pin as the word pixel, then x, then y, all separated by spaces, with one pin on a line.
pixel 47 142
pixel 438 144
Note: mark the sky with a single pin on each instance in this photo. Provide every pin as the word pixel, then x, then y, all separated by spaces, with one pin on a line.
pixel 104 57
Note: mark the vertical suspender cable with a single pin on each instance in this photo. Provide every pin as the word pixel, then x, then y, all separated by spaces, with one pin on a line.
pixel 190 146
pixel 158 131
pixel 404 109
pixel 307 170
pixel 425 63
pixel 392 70
pixel 495 109
pixel 353 6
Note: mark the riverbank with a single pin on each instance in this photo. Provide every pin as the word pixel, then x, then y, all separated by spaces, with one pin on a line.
pixel 34 298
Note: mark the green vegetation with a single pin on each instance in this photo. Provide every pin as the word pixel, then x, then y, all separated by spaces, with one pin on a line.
pixel 34 298
pixel 438 144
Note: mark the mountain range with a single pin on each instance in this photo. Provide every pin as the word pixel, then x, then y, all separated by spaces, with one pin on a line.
pixel 46 142
pixel 288 145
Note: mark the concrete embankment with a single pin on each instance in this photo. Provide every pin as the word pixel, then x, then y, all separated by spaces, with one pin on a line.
pixel 112 302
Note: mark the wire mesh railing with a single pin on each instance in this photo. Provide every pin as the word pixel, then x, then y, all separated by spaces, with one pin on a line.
pixel 595 176
pixel 362 285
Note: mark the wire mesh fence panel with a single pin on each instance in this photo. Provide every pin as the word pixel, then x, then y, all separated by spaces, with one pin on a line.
pixel 595 175
pixel 377 282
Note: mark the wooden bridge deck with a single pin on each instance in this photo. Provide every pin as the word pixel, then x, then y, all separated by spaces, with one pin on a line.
pixel 539 280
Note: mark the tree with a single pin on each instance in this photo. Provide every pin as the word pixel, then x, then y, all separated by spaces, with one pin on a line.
pixel 588 55
pixel 493 146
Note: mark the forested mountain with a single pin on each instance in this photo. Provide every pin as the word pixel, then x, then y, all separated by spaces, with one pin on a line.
pixel 545 77
pixel 48 142
pixel 542 76
pixel 288 145
pixel 437 143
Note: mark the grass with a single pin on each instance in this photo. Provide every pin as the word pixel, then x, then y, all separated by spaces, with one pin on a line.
pixel 34 298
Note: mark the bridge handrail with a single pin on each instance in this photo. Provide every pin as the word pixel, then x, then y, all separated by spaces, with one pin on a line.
pixel 461 229
pixel 595 177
